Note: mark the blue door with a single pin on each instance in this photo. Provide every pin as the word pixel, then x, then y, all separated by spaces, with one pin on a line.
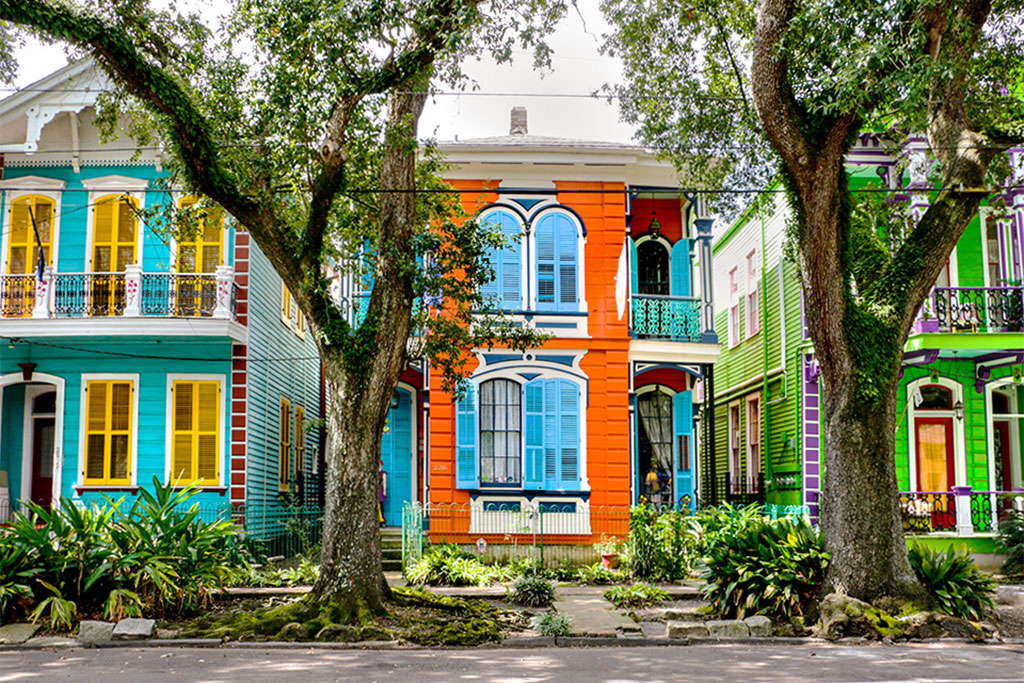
pixel 396 453
pixel 682 419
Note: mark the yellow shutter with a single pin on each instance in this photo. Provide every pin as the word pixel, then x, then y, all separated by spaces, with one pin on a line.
pixel 286 304
pixel 108 433
pixel 200 252
pixel 284 466
pixel 196 452
pixel 23 249
pixel 114 233
pixel 300 437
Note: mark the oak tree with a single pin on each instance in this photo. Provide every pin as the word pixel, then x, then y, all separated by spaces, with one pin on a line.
pixel 739 93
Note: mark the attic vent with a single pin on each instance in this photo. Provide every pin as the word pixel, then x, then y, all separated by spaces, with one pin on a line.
pixel 518 121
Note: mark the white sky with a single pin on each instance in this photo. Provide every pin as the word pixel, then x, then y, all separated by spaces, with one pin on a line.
pixel 577 69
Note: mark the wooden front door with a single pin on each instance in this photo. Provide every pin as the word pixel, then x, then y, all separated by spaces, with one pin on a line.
pixel 42 460
pixel 1001 438
pixel 935 469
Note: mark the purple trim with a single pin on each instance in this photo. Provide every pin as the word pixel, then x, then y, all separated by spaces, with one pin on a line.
pixel 809 420
pixel 994 360
pixel 961 490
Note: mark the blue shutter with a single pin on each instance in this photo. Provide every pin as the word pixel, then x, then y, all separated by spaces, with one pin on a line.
pixel 569 434
pixel 511 264
pixel 551 455
pixel 634 279
pixel 568 296
pixel 465 440
pixel 680 282
pixel 545 236
pixel 533 477
pixel 682 422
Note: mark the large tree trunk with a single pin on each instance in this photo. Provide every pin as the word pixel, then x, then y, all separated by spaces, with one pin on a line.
pixel 361 378
pixel 859 508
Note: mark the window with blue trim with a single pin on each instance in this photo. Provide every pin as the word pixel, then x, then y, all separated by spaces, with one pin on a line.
pixel 505 290
pixel 557 264
pixel 519 434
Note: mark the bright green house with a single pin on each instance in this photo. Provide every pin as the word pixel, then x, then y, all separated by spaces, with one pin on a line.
pixel 961 396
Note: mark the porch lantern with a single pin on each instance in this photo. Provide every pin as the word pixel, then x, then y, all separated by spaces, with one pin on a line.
pixel 958 410
pixel 655 227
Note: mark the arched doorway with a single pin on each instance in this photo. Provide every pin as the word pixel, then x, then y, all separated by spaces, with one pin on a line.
pixel 31 425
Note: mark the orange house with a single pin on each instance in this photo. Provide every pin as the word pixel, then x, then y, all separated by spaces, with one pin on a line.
pixel 605 253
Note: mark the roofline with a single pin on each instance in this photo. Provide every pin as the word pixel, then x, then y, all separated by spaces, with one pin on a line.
pixel 39 88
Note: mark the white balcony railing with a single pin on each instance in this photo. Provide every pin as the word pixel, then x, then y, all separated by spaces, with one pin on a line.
pixel 130 294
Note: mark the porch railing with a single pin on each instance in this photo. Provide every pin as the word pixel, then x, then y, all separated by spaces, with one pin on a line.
pixel 670 318
pixel 973 309
pixel 128 294
pixel 962 510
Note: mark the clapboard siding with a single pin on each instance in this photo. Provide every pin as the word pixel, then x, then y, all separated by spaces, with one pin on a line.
pixel 269 378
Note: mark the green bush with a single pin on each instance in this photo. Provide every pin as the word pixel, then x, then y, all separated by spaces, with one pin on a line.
pixel 448 565
pixel 598 575
pixel 953 581
pixel 660 546
pixel 713 524
pixel 532 591
pixel 774 568
pixel 156 556
pixel 1010 542
pixel 549 624
pixel 637 595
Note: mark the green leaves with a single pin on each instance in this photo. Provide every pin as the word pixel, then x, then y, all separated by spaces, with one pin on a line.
pixel 636 596
pixel 951 578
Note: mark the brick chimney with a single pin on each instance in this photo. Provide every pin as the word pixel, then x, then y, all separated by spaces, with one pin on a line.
pixel 518 121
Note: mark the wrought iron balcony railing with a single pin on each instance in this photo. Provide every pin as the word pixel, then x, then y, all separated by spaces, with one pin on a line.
pixel 671 318
pixel 973 309
pixel 129 294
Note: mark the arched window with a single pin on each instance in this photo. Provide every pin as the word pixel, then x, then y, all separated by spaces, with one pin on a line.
pixel 199 245
pixel 557 263
pixel 654 445
pixel 23 247
pixel 652 267
pixel 505 288
pixel 935 397
pixel 114 232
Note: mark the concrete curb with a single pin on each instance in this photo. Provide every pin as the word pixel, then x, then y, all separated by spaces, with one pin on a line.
pixel 509 643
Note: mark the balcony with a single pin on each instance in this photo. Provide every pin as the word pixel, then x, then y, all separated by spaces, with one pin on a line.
pixel 973 309
pixel 131 294
pixel 666 318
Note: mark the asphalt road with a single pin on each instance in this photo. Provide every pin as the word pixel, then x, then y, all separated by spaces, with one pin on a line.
pixel 939 663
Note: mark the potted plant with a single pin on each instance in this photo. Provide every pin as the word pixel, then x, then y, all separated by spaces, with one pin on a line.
pixel 608 549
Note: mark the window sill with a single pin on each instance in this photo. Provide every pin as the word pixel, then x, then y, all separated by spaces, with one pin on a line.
pixel 106 488
pixel 529 494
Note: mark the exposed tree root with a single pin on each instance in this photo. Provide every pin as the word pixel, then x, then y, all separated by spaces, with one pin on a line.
pixel 414 616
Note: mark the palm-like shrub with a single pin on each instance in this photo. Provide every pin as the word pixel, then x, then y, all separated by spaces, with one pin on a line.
pixel 774 568
pixel 156 556
pixel 532 591
pixel 448 565
pixel 953 581
pixel 1010 542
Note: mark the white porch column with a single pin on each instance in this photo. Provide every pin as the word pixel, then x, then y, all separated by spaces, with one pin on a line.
pixel 132 290
pixel 44 294
pixel 962 498
pixel 225 281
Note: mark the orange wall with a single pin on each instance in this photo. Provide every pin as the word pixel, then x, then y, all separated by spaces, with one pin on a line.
pixel 606 362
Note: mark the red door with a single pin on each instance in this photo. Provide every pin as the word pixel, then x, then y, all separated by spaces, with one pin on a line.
pixel 1002 443
pixel 42 460
pixel 935 471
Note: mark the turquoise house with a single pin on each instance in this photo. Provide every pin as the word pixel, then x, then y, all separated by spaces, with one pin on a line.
pixel 127 354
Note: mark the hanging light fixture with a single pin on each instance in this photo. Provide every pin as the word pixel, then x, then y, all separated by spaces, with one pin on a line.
pixel 655 227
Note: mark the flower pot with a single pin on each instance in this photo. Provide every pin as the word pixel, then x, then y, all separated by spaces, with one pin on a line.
pixel 610 560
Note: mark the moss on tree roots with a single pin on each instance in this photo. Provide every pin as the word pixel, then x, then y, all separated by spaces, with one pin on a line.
pixel 414 616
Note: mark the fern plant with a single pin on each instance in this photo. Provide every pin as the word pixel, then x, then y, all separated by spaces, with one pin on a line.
pixel 1010 542
pixel 532 591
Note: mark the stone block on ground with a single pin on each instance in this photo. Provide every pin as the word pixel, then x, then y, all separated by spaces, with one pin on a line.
pixel 52 641
pixel 727 628
pixel 95 631
pixel 16 634
pixel 134 629
pixel 695 613
pixel 686 629
pixel 759 625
